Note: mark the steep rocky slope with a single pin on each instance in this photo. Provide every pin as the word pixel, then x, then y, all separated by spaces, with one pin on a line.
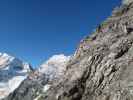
pixel 12 72
pixel 102 66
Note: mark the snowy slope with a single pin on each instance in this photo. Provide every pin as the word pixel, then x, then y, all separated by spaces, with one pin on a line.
pixel 12 72
pixel 55 66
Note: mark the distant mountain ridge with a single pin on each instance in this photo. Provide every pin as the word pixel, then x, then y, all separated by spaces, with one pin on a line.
pixel 12 72
pixel 40 80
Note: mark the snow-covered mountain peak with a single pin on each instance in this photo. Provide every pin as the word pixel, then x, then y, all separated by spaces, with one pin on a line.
pixel 55 66
pixel 12 72
pixel 5 59
pixel 58 59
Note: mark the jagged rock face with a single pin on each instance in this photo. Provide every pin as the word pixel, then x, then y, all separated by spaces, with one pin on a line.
pixel 102 66
pixel 12 72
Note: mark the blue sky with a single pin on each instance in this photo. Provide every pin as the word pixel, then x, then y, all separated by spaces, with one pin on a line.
pixel 34 30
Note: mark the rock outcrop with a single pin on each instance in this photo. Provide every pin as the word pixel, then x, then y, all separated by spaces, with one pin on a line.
pixel 102 66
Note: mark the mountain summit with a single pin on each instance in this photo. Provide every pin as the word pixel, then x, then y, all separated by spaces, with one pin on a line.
pixel 12 72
